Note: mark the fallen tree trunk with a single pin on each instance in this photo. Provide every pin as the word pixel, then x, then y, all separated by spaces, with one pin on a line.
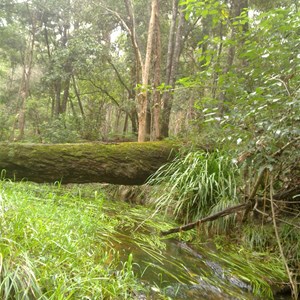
pixel 124 163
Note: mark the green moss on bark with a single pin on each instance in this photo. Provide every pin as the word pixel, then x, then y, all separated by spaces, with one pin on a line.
pixel 124 163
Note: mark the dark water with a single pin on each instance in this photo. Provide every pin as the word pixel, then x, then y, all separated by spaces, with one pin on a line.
pixel 180 272
pixel 175 269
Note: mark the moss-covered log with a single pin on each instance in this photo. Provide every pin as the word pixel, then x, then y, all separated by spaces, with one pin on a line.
pixel 124 163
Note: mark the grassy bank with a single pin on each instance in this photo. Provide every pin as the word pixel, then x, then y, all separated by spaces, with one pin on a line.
pixel 55 245
pixel 71 242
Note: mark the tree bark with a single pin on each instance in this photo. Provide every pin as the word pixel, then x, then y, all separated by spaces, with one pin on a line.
pixel 124 163
pixel 174 50
pixel 77 93
pixel 132 32
pixel 144 66
pixel 156 109
pixel 27 62
pixel 143 95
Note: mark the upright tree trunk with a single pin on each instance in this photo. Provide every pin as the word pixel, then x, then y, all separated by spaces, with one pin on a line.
pixel 67 65
pixel 66 94
pixel 134 120
pixel 57 98
pixel 174 50
pixel 237 8
pixel 143 95
pixel 138 67
pixel 77 93
pixel 61 85
pixel 125 127
pixel 156 110
pixel 26 76
pixel 132 32
pixel 23 95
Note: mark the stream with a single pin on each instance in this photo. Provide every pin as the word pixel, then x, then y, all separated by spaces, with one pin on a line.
pixel 182 273
pixel 179 270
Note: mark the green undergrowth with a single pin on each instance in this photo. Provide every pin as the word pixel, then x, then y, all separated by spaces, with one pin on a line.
pixel 71 242
pixel 196 185
pixel 57 244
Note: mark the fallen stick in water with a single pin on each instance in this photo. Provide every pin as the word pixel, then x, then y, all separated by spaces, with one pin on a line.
pixel 223 213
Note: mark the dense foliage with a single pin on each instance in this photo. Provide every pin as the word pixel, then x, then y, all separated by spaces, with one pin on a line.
pixel 65 76
pixel 74 242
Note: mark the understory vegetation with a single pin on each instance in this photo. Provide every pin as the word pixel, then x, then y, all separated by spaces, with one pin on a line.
pixel 196 185
pixel 71 242
pixel 201 184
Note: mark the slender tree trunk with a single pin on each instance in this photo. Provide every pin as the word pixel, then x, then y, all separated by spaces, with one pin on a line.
pixel 57 98
pixel 66 94
pixel 171 41
pixel 118 115
pixel 149 119
pixel 134 120
pixel 26 76
pixel 174 50
pixel 143 95
pixel 132 32
pixel 156 110
pixel 125 127
pixel 143 79
pixel 77 93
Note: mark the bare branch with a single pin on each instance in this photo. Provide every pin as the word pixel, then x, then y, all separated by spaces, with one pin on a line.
pixel 105 92
pixel 279 152
pixel 139 60
pixel 119 76
pixel 223 213
pixel 118 16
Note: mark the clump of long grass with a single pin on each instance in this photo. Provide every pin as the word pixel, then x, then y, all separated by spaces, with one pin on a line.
pixel 17 277
pixel 252 269
pixel 289 234
pixel 56 245
pixel 193 186
pixel 258 237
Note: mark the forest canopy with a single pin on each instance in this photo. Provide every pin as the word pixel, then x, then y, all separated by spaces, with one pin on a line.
pixel 105 70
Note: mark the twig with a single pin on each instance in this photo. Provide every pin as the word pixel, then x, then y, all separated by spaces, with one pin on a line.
pixel 284 83
pixel 279 152
pixel 261 212
pixel 253 193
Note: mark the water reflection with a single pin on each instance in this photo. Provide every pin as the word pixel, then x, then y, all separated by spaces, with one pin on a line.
pixel 180 272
